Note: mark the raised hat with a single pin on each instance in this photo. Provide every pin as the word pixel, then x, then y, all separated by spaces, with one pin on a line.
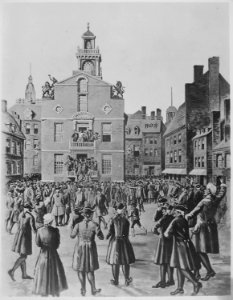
pixel 48 218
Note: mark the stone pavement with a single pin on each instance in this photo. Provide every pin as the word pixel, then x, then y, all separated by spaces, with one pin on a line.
pixel 144 272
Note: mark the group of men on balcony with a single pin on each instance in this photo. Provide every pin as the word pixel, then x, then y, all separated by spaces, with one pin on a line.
pixel 85 136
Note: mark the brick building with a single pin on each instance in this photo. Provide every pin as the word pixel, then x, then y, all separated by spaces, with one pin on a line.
pixel 12 146
pixel 202 101
pixel 83 102
pixel 144 143
pixel 28 112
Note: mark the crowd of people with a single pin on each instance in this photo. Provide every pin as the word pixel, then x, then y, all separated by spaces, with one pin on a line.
pixel 184 222
pixel 83 168
pixel 85 136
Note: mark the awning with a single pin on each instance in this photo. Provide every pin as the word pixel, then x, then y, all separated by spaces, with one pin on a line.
pixel 199 172
pixel 175 171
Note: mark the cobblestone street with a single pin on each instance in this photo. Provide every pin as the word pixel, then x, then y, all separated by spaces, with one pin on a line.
pixel 144 272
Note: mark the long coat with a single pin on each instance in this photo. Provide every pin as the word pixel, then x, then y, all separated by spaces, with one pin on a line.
pixel 58 205
pixel 120 250
pixel 184 255
pixel 50 278
pixel 164 248
pixel 100 202
pixel 85 257
pixel 23 238
pixel 205 233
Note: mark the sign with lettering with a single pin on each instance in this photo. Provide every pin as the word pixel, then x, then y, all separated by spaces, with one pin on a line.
pixel 151 125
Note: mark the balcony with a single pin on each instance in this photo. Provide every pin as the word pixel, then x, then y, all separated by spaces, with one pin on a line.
pixel 82 145
pixel 88 51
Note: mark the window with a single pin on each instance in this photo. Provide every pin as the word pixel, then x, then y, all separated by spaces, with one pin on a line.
pixel 175 156
pixel 35 144
pixel 222 130
pixel 179 138
pixel 82 95
pixel 151 152
pixel 196 162
pixel 227 160
pixel 151 141
pixel 136 130
pixel 13 147
pixel 58 163
pixel 179 154
pixel 219 161
pixel 136 170
pixel 8 145
pixel 35 160
pixel 8 168
pixel 227 112
pixel 155 141
pixel 19 170
pixel 203 144
pixel 168 156
pixel 199 144
pixel 199 162
pixel 58 132
pixel 36 128
pixel 83 85
pixel 27 145
pixel 195 144
pixel 146 152
pixel 107 164
pixel 202 162
pixel 128 130
pixel 28 128
pixel 18 148
pixel 171 157
pixel 106 132
pixel 155 152
pixel 174 139
pixel 147 140
pixel 136 151
pixel 13 168
pixel 168 142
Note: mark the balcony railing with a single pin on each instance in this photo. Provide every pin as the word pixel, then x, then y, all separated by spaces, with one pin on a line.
pixel 88 51
pixel 93 174
pixel 81 145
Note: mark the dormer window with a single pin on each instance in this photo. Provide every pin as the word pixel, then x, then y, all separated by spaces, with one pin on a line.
pixel 136 130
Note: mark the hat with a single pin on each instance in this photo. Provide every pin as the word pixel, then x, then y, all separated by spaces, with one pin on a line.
pixel 212 188
pixel 120 206
pixel 162 200
pixel 181 208
pixel 88 210
pixel 27 205
pixel 48 218
pixel 198 186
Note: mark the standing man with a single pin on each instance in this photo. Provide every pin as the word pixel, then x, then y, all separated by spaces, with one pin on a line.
pixel 85 258
pixel 23 241
pixel 58 206
pixel 120 251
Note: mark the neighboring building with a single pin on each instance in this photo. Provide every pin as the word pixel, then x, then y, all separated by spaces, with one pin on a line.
pixel 28 112
pixel 83 102
pixel 144 143
pixel 202 156
pixel 201 102
pixel 12 146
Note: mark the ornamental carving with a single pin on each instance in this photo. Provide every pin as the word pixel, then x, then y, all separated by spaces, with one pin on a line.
pixel 106 108
pixel 83 115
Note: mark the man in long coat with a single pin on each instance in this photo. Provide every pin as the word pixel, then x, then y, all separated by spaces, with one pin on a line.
pixel 58 206
pixel 120 251
pixel 205 232
pixel 23 241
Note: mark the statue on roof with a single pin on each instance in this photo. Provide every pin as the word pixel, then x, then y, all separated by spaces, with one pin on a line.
pixel 48 89
pixel 118 90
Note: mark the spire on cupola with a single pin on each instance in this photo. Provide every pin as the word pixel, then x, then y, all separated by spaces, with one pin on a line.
pixel 30 93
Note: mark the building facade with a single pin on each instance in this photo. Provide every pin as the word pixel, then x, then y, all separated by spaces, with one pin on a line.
pixel 12 146
pixel 144 148
pixel 202 102
pixel 28 113
pixel 83 123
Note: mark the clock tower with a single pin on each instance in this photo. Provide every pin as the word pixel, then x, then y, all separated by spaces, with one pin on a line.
pixel 89 57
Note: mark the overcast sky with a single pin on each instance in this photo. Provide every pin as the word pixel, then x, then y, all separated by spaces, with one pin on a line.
pixel 148 46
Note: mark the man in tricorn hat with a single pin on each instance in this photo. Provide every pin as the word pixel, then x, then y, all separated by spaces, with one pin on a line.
pixel 85 258
pixel 120 251
pixel 23 241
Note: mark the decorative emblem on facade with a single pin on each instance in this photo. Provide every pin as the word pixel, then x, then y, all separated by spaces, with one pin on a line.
pixel 118 90
pixel 106 108
pixel 58 109
pixel 83 115
pixel 48 89
pixel 28 114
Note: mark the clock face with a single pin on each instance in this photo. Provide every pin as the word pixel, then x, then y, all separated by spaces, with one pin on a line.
pixel 106 108
pixel 58 109
pixel 88 67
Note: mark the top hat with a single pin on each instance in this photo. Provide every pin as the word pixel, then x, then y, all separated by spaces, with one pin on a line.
pixel 120 206
pixel 181 208
pixel 27 205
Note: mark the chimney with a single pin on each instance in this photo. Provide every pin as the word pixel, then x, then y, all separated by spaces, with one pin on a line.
pixel 143 112
pixel 159 117
pixel 198 72
pixel 214 91
pixel 152 115
pixel 4 106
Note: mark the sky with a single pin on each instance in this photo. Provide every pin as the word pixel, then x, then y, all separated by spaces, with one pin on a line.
pixel 149 47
